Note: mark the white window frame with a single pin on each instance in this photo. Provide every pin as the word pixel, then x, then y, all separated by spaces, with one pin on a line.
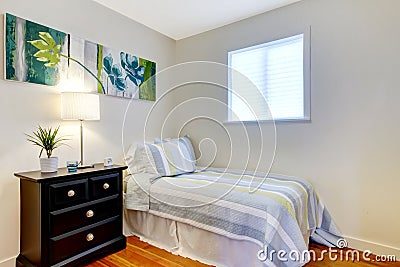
pixel 306 76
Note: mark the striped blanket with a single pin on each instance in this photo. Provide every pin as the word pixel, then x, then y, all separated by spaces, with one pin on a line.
pixel 275 212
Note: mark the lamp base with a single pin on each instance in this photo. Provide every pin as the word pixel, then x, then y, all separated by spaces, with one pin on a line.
pixel 85 166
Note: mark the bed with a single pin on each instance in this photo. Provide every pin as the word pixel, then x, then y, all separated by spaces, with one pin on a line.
pixel 224 217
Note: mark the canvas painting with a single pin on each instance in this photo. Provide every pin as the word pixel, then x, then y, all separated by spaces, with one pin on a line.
pixel 38 54
pixel 121 74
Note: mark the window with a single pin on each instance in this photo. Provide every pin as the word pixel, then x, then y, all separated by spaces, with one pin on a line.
pixel 270 81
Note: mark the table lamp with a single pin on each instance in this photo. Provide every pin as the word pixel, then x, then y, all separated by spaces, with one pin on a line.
pixel 83 107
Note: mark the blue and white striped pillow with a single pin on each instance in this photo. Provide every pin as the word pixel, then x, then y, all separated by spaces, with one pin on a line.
pixel 185 140
pixel 172 157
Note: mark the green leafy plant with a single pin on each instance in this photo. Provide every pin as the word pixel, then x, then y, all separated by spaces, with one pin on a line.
pixel 46 139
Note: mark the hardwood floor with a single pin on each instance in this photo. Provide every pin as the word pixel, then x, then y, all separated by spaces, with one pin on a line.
pixel 138 253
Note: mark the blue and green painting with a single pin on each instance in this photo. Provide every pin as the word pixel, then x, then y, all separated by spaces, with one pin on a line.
pixel 42 55
pixel 21 64
pixel 122 74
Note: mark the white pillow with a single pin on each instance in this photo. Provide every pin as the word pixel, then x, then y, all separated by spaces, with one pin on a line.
pixel 185 141
pixel 171 158
pixel 140 160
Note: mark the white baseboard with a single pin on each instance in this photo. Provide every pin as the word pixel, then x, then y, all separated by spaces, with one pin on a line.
pixel 10 262
pixel 375 248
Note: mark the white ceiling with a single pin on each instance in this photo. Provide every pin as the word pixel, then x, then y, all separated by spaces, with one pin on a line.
pixel 179 19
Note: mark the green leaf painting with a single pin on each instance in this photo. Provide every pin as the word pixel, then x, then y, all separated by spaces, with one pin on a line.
pixel 49 50
pixel 42 55
pixel 20 63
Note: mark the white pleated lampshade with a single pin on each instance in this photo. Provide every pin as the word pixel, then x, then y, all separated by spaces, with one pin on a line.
pixel 80 106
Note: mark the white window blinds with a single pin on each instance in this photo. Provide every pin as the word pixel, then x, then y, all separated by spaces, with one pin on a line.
pixel 267 81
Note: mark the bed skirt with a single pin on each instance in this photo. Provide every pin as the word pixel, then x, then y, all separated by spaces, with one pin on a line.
pixel 189 241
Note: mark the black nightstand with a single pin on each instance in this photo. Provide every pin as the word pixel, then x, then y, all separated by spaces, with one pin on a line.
pixel 70 218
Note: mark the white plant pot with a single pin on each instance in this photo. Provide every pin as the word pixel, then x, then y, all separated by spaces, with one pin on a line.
pixel 49 164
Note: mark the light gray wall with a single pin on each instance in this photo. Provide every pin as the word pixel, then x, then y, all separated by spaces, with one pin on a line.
pixel 350 149
pixel 24 106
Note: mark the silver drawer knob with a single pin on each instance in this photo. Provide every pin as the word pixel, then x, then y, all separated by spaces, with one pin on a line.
pixel 106 186
pixel 89 237
pixel 89 213
pixel 71 193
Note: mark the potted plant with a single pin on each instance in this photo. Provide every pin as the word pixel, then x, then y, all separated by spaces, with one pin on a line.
pixel 47 140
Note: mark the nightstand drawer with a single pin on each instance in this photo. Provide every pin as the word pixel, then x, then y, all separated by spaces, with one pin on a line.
pixel 63 221
pixel 102 186
pixel 68 245
pixel 68 193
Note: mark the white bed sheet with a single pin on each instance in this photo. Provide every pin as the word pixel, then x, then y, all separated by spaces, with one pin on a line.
pixel 189 241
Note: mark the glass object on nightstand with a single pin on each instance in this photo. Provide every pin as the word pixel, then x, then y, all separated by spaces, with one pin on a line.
pixel 72 165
